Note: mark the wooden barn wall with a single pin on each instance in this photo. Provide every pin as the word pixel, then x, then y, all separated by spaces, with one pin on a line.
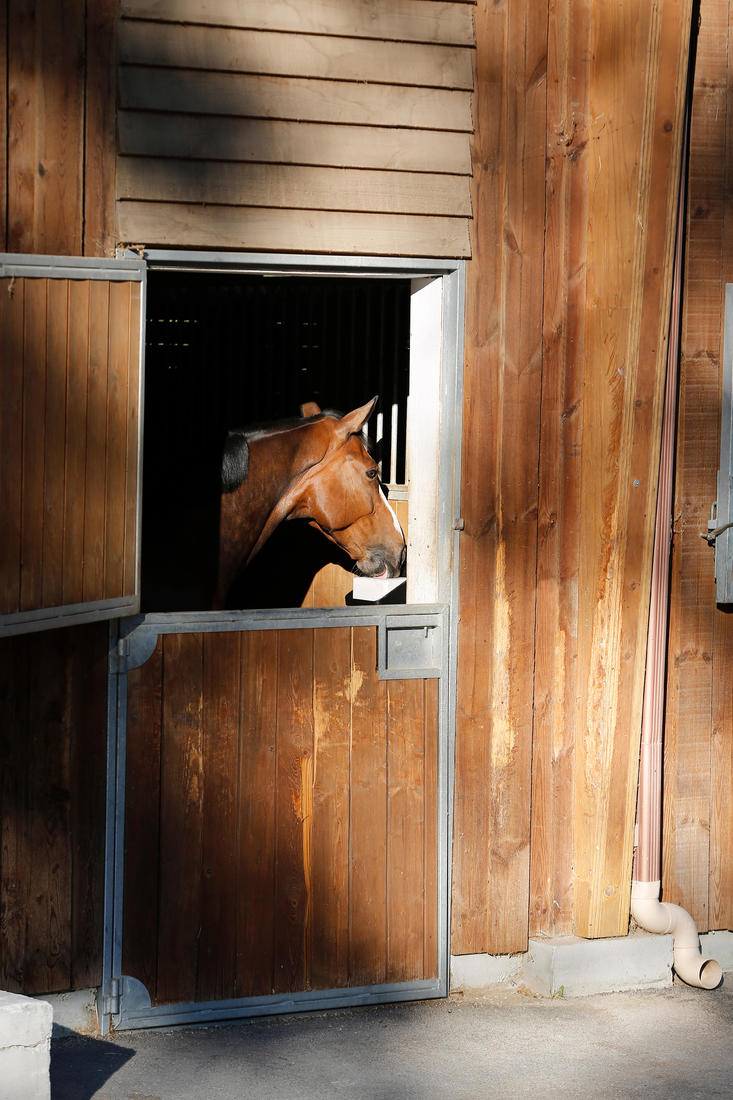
pixel 313 126
pixel 578 111
pixel 697 845
pixel 52 795
pixel 572 184
pixel 57 197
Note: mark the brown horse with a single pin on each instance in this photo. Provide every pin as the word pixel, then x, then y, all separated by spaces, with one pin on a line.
pixel 316 468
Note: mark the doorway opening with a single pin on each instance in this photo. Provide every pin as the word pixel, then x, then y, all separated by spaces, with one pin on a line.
pixel 230 345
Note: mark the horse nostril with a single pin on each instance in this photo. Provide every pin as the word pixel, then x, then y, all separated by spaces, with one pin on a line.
pixel 403 555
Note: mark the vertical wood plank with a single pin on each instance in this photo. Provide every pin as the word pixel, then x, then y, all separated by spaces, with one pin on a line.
pixel 117 437
pixel 555 726
pixel 430 819
pixel 368 818
pixel 294 830
pixel 720 913
pixel 498 554
pixel 76 440
pixel 181 809
pixel 3 129
pixel 627 310
pixel 217 928
pixel 48 965
pixel 88 692
pixel 142 821
pixel 693 652
pixel 132 458
pixel 256 862
pixel 46 120
pixel 331 778
pixel 15 851
pixel 100 137
pixel 405 828
pixel 54 465
pixel 34 410
pixel 12 294
pixel 96 454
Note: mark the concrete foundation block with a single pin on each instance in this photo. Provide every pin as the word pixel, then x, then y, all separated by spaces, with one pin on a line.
pixel 718 946
pixel 25 1048
pixel 474 972
pixel 576 967
pixel 76 1011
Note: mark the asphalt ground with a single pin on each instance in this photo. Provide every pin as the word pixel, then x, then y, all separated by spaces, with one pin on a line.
pixel 675 1042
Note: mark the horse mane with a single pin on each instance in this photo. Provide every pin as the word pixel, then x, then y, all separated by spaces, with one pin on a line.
pixel 235 457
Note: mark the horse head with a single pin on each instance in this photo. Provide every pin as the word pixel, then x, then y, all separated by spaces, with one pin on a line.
pixel 342 497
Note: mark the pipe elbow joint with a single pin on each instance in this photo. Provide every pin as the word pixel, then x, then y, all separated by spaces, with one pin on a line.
pixel 661 917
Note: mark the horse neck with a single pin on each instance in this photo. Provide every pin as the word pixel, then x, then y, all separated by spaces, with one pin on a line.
pixel 251 512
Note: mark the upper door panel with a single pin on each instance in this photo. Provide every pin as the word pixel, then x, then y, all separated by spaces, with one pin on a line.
pixel 70 401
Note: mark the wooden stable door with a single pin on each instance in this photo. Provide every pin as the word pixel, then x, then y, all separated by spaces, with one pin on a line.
pixel 70 380
pixel 281 821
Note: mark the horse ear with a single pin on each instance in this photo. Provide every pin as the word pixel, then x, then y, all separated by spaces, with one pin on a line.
pixel 353 422
pixel 310 408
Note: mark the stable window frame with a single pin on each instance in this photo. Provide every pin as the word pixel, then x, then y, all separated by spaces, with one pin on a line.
pixel 436 357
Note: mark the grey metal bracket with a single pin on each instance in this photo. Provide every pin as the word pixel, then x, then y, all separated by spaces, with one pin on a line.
pixel 410 647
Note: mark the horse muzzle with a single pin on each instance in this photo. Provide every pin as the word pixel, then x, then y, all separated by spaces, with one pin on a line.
pixel 382 564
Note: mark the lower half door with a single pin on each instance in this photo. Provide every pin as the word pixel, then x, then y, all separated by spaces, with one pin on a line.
pixel 278 816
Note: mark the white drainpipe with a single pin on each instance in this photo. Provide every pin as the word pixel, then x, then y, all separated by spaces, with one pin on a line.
pixel 662 917
pixel 646 908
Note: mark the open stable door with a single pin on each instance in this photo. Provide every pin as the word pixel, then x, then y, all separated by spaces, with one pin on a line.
pixel 70 403
pixel 279 777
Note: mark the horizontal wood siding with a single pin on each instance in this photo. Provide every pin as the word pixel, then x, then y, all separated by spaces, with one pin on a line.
pixel 52 789
pixel 68 431
pixel 227 112
pixel 697 846
pixel 281 817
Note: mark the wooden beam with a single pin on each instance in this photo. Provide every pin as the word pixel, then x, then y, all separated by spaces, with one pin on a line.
pixel 158 224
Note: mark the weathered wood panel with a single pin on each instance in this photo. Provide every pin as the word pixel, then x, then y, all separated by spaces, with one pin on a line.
pixel 233 227
pixel 45 119
pixel 607 112
pixel 290 98
pixel 98 179
pixel 404 20
pixel 376 87
pixel 198 137
pixel 627 318
pixel 52 767
pixel 498 547
pixel 295 187
pixel 559 520
pixel 69 393
pixel 299 55
pixel 282 812
pixel 696 845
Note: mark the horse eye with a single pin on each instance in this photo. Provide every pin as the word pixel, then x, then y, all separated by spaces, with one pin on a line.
pixel 371 474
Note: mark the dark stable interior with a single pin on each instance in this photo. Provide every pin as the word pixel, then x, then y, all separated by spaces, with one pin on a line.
pixel 224 351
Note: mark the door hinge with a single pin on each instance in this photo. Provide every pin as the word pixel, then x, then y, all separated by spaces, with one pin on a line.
pixel 112 999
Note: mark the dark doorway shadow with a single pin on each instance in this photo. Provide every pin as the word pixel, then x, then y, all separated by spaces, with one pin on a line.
pixel 283 571
pixel 81 1065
